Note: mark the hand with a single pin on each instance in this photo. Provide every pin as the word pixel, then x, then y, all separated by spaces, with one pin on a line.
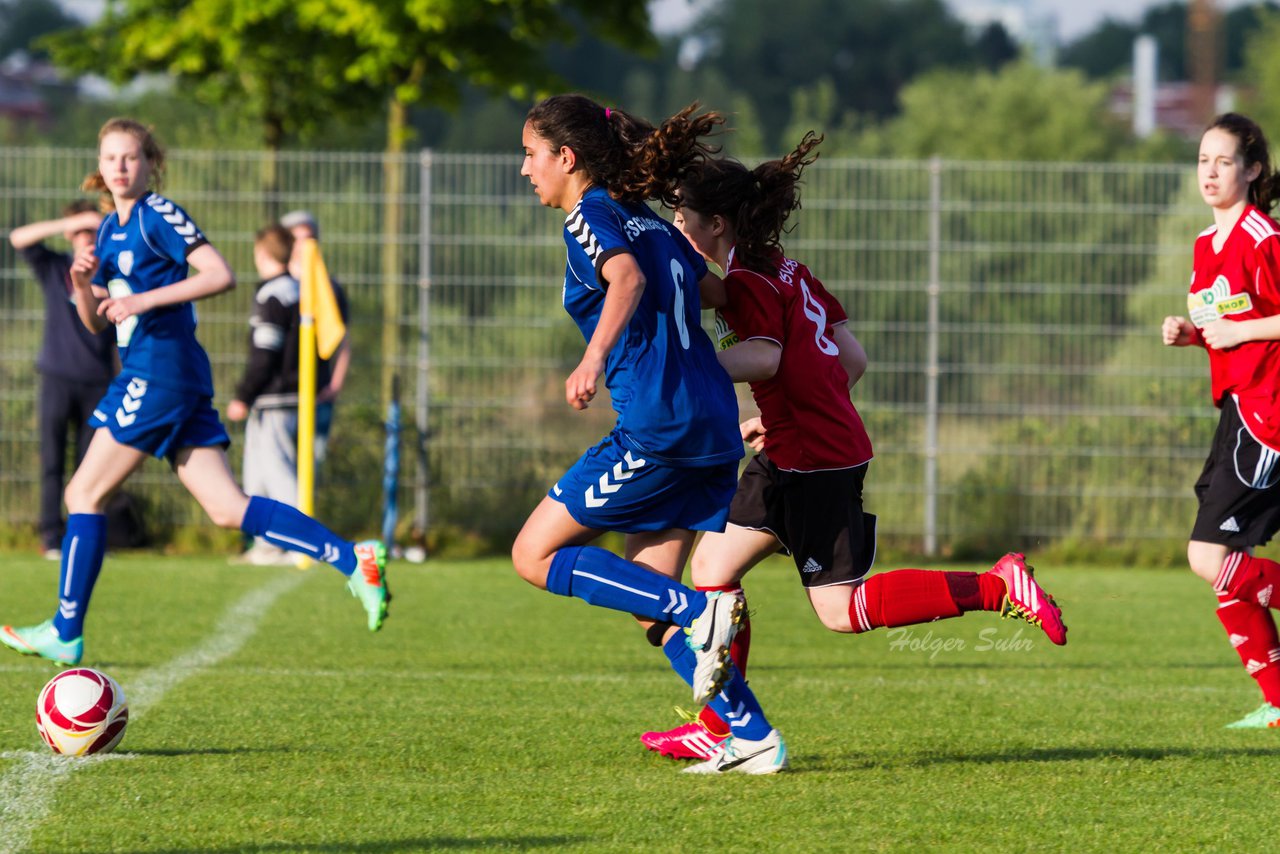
pixel 326 394
pixel 1177 331
pixel 753 433
pixel 237 410
pixel 121 309
pixel 83 266
pixel 580 387
pixel 1224 334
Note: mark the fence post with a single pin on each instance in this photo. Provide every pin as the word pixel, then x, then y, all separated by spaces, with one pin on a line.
pixel 931 368
pixel 422 483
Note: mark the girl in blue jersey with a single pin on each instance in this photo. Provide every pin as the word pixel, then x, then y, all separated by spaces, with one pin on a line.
pixel 668 468
pixel 138 277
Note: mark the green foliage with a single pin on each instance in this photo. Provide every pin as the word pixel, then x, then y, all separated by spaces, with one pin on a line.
pixel 1262 68
pixel 1020 113
pixel 867 49
pixel 26 21
pixel 1107 50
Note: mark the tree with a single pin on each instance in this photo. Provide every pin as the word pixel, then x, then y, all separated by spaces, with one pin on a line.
pixel 299 63
pixel 25 21
pixel 1022 112
pixel 1261 70
pixel 867 49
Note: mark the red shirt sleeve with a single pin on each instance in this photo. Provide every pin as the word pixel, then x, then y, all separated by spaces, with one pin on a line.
pixel 756 308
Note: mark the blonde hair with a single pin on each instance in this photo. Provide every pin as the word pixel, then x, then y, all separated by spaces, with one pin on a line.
pixel 95 183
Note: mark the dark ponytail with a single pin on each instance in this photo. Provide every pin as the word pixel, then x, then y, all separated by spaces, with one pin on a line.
pixel 757 202
pixel 624 154
pixel 1253 149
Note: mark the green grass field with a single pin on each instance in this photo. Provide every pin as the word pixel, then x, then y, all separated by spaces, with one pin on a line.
pixel 490 715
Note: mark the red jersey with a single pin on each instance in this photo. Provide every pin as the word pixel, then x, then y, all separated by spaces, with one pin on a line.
pixel 811 424
pixel 1239 282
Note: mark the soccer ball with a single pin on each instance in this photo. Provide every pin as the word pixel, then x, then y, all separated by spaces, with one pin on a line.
pixel 81 711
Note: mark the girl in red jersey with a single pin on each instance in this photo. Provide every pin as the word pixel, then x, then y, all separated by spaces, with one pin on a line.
pixel 802 493
pixel 1234 313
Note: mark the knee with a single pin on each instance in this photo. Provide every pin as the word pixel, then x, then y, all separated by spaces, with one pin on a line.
pixel 1206 562
pixel 529 564
pixel 83 497
pixel 836 622
pixel 228 514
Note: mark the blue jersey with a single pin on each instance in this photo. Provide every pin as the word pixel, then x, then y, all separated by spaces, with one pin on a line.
pixel 148 252
pixel 675 403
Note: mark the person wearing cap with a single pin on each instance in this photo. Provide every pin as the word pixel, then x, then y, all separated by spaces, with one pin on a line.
pixel 302 225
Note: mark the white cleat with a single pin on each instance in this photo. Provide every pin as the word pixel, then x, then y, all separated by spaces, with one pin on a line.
pixel 709 638
pixel 766 756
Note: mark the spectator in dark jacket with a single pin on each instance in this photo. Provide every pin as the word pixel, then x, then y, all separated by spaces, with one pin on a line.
pixel 267 396
pixel 75 365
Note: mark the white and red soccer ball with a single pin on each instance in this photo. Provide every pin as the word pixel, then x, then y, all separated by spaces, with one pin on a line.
pixel 81 711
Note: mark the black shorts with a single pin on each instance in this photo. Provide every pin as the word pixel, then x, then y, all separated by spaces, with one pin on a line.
pixel 1239 489
pixel 817 516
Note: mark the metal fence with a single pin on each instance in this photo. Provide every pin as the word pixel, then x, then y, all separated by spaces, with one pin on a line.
pixel 1017 393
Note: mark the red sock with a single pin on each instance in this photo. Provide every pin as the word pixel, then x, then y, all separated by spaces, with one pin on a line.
pixel 1252 631
pixel 1249 579
pixel 905 597
pixel 739 648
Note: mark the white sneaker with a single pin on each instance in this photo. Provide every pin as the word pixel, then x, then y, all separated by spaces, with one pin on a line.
pixel 766 756
pixel 709 638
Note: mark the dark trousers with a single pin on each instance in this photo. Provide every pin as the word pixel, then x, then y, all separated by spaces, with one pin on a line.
pixel 63 403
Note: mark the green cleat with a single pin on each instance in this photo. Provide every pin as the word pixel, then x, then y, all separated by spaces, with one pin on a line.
pixel 369 582
pixel 43 640
pixel 1265 716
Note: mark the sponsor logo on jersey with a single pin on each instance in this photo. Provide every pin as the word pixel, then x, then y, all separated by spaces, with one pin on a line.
pixel 725 336
pixel 1216 302
pixel 125 262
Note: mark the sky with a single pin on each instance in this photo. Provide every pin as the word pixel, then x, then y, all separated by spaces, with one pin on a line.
pixel 1075 17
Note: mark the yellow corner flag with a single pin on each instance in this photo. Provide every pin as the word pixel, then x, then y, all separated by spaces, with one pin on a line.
pixel 320 333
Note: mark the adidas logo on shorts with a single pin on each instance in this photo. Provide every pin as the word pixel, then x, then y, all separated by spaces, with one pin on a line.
pixel 811 565
pixel 1230 525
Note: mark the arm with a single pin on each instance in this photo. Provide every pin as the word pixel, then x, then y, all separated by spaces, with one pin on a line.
pixel 751 361
pixel 712 291
pixel 338 367
pixel 33 233
pixel 1180 332
pixel 626 286
pixel 83 266
pixel 852 357
pixel 1224 334
pixel 213 276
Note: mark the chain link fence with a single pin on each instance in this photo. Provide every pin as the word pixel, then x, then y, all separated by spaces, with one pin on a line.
pixel 1017 395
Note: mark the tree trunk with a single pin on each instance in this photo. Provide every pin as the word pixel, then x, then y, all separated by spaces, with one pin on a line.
pixel 393 215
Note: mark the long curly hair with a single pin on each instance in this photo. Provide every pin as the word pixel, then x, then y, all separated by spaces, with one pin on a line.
pixel 626 155
pixel 756 202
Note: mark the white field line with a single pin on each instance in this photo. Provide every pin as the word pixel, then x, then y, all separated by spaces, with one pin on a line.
pixel 29 788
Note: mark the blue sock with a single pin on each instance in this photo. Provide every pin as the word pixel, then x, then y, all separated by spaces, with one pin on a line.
pixel 736 703
pixel 83 548
pixel 291 529
pixel 600 577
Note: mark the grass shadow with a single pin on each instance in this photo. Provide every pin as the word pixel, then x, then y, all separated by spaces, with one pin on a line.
pixel 423 843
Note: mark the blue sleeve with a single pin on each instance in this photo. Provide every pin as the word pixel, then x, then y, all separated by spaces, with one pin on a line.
pixel 600 234
pixel 169 231
pixel 696 261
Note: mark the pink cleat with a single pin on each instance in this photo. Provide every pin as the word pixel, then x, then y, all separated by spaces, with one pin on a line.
pixel 687 741
pixel 1026 600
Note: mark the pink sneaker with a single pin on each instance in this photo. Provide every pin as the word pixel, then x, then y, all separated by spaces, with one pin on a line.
pixel 687 741
pixel 1026 599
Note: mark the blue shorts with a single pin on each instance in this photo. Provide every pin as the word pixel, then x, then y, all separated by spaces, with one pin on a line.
pixel 611 488
pixel 158 421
